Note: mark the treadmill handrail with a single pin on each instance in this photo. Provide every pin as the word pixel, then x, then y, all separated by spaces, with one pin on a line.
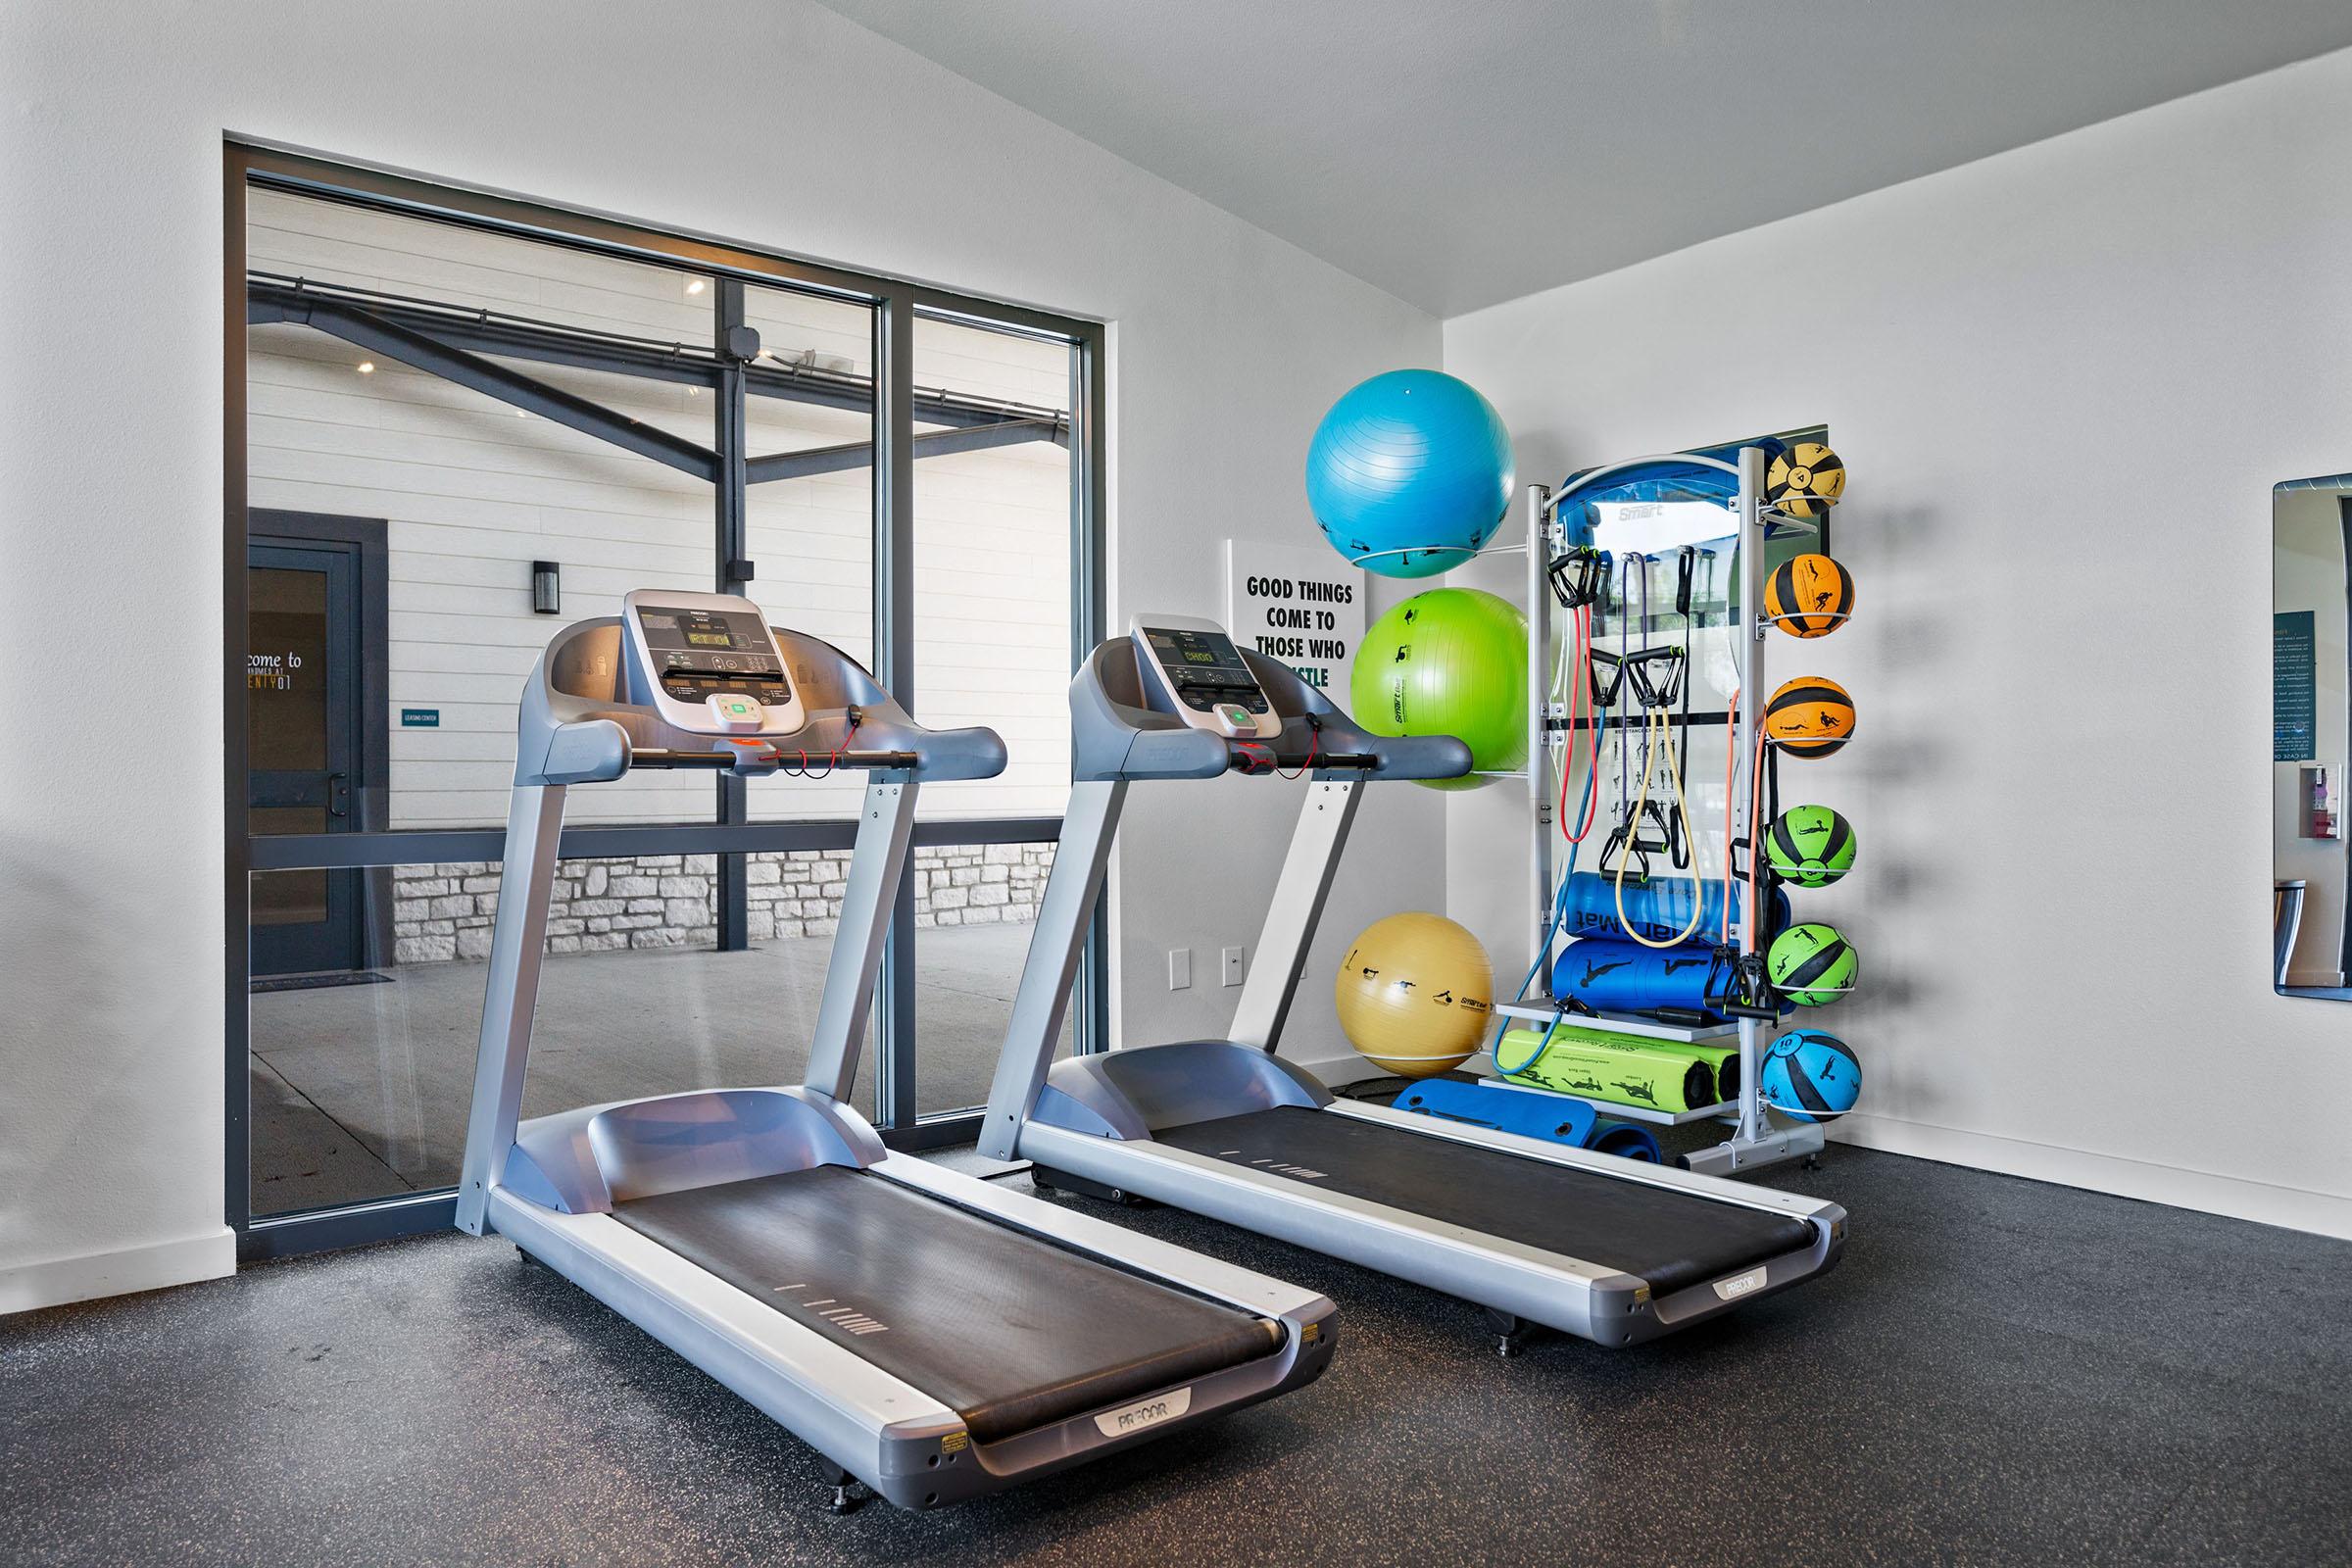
pixel 1119 730
pixel 584 680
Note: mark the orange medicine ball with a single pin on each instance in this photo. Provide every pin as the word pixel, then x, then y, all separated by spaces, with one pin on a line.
pixel 1808 596
pixel 1809 716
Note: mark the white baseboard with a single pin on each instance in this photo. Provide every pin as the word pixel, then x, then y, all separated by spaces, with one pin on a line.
pixel 2206 1192
pixel 59 1280
pixel 2321 979
pixel 1344 1068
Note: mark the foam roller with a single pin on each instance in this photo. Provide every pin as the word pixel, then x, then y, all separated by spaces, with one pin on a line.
pixel 1658 908
pixel 1611 1068
pixel 1722 1061
pixel 1627 977
pixel 1531 1114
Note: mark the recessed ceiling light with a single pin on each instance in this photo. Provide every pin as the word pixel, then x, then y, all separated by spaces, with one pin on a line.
pixel 366 367
pixel 694 285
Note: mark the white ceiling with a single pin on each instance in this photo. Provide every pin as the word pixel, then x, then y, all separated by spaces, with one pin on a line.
pixel 1462 152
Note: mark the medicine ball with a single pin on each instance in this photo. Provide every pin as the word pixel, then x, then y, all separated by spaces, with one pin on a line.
pixel 1810 1076
pixel 1809 595
pixel 1810 846
pixel 1812 965
pixel 1809 716
pixel 1805 480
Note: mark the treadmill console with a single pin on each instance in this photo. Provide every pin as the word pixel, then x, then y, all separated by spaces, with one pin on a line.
pixel 710 664
pixel 1195 672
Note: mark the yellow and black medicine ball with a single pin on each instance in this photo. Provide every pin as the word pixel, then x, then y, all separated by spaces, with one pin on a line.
pixel 1805 480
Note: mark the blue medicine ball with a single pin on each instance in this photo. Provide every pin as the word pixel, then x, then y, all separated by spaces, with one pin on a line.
pixel 1409 473
pixel 1811 1076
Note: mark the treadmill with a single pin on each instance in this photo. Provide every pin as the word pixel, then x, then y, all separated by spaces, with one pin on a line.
pixel 933 1336
pixel 1612 1249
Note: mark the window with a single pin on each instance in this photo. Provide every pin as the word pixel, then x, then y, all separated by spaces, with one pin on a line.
pixel 447 408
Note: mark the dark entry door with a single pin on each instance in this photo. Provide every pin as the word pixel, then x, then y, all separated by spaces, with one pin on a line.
pixel 302 679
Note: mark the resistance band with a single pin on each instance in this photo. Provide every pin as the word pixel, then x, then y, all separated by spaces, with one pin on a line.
pixel 1578 670
pixel 1657 726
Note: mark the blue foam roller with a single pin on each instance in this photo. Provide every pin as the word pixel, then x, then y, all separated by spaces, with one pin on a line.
pixel 1658 907
pixel 1627 977
pixel 1531 1113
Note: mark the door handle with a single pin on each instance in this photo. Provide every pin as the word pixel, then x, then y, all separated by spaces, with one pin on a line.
pixel 339 792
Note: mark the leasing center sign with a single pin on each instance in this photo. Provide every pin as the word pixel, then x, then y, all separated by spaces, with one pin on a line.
pixel 1303 607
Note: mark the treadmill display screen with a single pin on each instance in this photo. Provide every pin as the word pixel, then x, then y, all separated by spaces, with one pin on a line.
pixel 701 653
pixel 1203 669
pixel 709 642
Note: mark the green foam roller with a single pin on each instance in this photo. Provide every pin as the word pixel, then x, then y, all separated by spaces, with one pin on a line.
pixel 1614 1068
pixel 1722 1061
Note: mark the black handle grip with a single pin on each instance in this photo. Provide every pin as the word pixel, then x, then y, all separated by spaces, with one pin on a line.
pixel 661 756
pixel 1247 758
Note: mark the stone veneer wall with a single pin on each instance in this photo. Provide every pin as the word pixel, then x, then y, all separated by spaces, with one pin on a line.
pixel 669 901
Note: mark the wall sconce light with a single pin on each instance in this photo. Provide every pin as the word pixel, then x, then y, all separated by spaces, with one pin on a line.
pixel 547 588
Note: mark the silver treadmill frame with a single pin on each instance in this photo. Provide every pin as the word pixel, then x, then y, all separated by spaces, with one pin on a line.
pixel 540 1183
pixel 1094 1116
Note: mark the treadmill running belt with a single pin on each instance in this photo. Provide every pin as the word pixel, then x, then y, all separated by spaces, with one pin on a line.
pixel 1670 1239
pixel 1011 1331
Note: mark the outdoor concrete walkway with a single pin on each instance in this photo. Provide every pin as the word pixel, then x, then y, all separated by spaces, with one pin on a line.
pixel 360 1091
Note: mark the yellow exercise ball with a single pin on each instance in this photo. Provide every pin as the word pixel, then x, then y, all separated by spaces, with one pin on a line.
pixel 1415 993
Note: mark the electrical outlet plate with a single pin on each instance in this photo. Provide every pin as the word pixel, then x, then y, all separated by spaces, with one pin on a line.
pixel 1235 964
pixel 1180 968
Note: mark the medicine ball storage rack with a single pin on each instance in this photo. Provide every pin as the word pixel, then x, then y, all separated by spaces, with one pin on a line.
pixel 1558 560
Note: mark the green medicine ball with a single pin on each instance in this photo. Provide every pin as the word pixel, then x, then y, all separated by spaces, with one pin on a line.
pixel 1811 965
pixel 1810 846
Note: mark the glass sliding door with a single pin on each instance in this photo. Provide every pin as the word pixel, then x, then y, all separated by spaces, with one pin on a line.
pixel 996 520
pixel 459 422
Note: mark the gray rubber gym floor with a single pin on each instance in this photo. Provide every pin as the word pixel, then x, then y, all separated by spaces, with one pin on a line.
pixel 2001 1372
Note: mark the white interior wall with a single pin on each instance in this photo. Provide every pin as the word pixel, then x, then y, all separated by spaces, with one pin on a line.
pixel 799 132
pixel 2308 574
pixel 2064 381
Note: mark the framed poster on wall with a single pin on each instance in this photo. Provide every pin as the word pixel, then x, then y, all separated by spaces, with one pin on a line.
pixel 1303 606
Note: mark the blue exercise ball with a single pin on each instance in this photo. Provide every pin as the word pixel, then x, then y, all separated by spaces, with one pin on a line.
pixel 1409 473
pixel 1810 1076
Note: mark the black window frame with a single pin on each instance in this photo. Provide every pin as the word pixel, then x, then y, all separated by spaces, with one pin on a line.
pixel 895 304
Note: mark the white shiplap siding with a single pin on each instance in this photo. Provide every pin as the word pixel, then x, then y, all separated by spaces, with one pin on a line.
pixel 473 492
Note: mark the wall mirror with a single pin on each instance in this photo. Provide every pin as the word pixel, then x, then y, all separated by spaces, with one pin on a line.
pixel 2311 713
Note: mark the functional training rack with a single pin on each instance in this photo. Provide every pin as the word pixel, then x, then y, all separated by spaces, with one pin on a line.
pixel 1756 1138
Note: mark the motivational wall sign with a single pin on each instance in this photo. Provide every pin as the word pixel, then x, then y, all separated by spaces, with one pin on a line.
pixel 1301 606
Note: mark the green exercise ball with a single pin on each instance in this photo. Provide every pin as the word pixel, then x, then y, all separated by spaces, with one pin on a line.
pixel 1449 661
